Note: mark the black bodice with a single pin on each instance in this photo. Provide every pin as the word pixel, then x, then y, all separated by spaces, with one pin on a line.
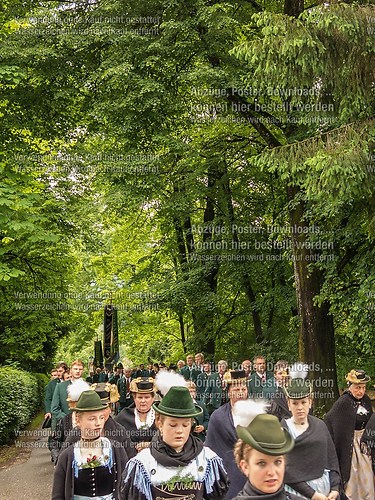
pixel 96 481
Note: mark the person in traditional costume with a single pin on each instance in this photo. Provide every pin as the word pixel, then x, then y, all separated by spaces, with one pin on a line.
pixel 260 455
pixel 347 421
pixel 368 440
pixel 139 418
pixel 312 468
pixel 279 404
pixel 260 384
pixel 177 465
pixel 59 404
pixel 202 420
pixel 91 468
pixel 221 434
pixel 108 394
pixel 68 424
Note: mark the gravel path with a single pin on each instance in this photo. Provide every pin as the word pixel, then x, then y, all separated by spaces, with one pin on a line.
pixel 30 479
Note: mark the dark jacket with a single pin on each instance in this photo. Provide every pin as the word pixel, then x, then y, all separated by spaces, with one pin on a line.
pixel 189 374
pixel 127 420
pixel 64 429
pixel 202 419
pixel 221 437
pixel 279 405
pixel 341 423
pixel 313 452
pixel 63 481
pixel 50 389
pixel 259 389
pixel 250 493
pixel 59 405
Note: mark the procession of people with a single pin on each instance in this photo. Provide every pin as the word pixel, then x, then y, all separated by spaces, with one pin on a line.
pixel 199 430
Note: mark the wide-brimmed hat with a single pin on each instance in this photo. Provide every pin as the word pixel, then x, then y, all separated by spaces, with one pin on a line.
pixel 108 393
pixel 357 377
pixel 90 401
pixel 298 388
pixel 266 435
pixel 178 403
pixel 235 377
pixel 143 385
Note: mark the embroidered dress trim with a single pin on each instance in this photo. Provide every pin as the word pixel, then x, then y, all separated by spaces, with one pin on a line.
pixel 105 497
pixel 77 462
pixel 150 417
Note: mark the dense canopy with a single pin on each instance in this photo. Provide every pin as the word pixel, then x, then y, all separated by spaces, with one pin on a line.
pixel 206 166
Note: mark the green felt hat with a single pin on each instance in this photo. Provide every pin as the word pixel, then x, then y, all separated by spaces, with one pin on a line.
pixel 266 435
pixel 298 388
pixel 177 403
pixel 90 401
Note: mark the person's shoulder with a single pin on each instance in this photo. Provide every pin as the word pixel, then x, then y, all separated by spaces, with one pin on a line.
pixel 125 415
pixel 67 451
pixel 219 412
pixel 317 422
pixel 344 401
pixel 52 382
pixel 209 453
pixel 143 460
pixel 201 404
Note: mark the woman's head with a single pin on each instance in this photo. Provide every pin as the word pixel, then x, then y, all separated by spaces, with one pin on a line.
pixel 299 408
pixel 264 472
pixel 259 452
pixel 90 414
pixel 91 423
pixel 357 380
pixel 357 390
pixel 174 416
pixel 174 431
pixel 143 391
pixel 143 401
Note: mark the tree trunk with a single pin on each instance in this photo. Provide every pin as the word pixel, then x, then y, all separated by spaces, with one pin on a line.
pixel 246 281
pixel 316 338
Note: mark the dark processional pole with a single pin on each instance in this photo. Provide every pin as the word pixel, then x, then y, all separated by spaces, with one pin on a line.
pixel 111 346
pixel 110 339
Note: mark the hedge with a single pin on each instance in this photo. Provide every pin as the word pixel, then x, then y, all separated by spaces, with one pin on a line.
pixel 21 394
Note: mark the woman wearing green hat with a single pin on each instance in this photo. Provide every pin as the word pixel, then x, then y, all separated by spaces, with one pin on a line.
pixel 312 469
pixel 177 465
pixel 259 453
pixel 91 468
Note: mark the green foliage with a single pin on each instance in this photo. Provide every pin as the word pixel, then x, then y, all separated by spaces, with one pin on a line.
pixel 22 394
pixel 139 158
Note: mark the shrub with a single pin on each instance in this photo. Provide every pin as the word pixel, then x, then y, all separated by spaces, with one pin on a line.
pixel 20 396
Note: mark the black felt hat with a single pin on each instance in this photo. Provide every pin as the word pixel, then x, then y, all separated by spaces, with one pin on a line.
pixel 145 385
pixel 235 377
